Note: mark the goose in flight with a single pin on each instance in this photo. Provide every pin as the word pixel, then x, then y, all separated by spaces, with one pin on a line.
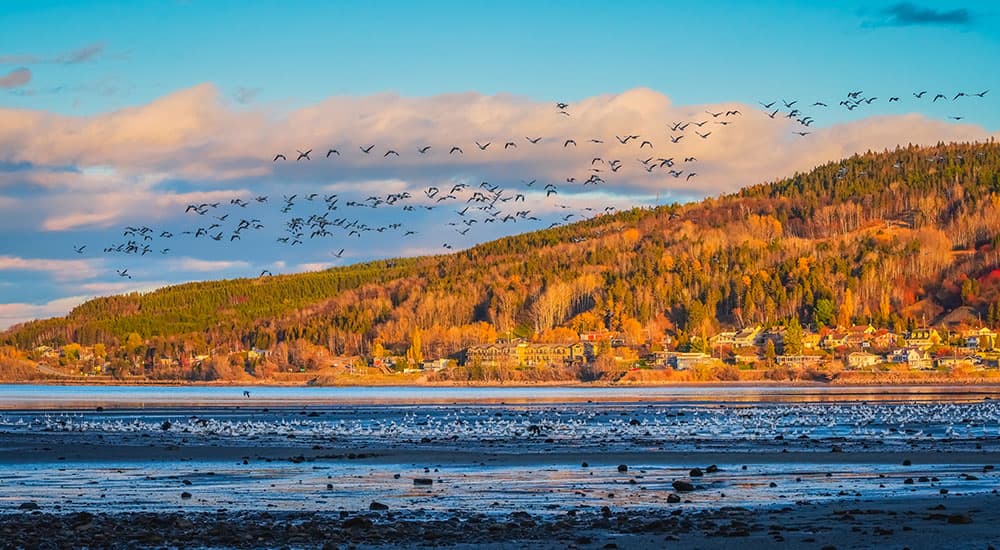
pixel 645 143
pixel 705 135
pixel 456 148
pixel 920 94
pixel 279 156
pixel 939 96
pixel 675 139
pixel 561 105
pixel 767 105
pixel 482 147
pixel 367 150
pixel 509 144
pixel 567 142
pixel 79 250
pixel 424 149
pixel 982 93
pixel 339 254
pixel 390 152
pixel 123 273
pixel 533 141
pixel 332 152
pixel 304 155
pixel 803 134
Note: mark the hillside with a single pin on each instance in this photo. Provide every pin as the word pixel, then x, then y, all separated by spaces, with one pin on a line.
pixel 896 238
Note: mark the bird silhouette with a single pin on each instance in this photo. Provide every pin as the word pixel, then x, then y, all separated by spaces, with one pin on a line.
pixel 303 155
pixel 920 94
pixel 279 156
pixel 456 148
pixel 332 152
pixel 367 150
pixel 533 141
pixel 482 147
pixel 424 149
pixel 567 142
pixel 123 273
pixel 79 250
pixel 390 152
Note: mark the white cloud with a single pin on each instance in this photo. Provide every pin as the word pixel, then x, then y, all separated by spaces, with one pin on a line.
pixel 60 270
pixel 12 314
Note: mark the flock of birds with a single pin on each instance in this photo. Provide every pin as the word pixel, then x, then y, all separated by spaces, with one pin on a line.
pixel 462 206
pixel 813 424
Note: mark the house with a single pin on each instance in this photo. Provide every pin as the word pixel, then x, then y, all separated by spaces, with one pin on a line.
pixel 742 338
pixel 861 360
pixel 515 354
pixel 687 360
pixel 435 364
pixel 922 338
pixel 834 340
pixel 797 360
pixel 884 339
pixel 980 338
pixel 915 357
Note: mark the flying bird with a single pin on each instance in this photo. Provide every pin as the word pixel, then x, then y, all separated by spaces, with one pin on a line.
pixel 79 250
pixel 424 149
pixel 390 152
pixel 332 152
pixel 567 142
pixel 483 147
pixel 279 156
pixel 533 141
pixel 456 148
pixel 304 155
pixel 368 149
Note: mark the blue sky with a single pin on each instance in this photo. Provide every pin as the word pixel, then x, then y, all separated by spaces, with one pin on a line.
pixel 122 113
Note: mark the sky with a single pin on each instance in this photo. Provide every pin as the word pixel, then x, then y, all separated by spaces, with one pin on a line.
pixel 117 115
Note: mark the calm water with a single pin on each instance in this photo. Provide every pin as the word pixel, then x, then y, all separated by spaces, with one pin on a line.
pixel 62 397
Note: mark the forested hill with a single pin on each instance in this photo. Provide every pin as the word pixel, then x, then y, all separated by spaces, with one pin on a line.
pixel 893 238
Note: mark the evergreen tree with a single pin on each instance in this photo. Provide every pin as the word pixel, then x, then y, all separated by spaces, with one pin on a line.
pixel 793 337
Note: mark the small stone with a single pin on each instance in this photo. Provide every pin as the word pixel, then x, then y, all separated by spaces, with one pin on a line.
pixel 696 472
pixel 28 506
pixel 185 495
pixel 166 425
pixel 907 462
pixel 711 469
pixel 623 468
pixel 423 481
pixel 584 465
pixel 673 498
pixel 378 506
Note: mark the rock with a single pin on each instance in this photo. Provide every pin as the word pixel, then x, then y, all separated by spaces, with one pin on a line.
pixel 772 485
pixel 28 506
pixel 682 486
pixel 943 491
pixel 358 522
pixel 329 485
pixel 924 479
pixel 836 449
pixel 959 519
pixel 186 482
pixel 584 465
pixel 605 511
pixel 907 462
pixel 395 476
pixel 673 498
pixel 696 472
pixel 185 495
pixel 423 481
pixel 623 468
pixel 166 425
pixel 711 469
pixel 378 506
pixel 908 481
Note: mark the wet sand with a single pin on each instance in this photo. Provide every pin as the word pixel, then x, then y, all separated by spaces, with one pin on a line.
pixel 763 475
